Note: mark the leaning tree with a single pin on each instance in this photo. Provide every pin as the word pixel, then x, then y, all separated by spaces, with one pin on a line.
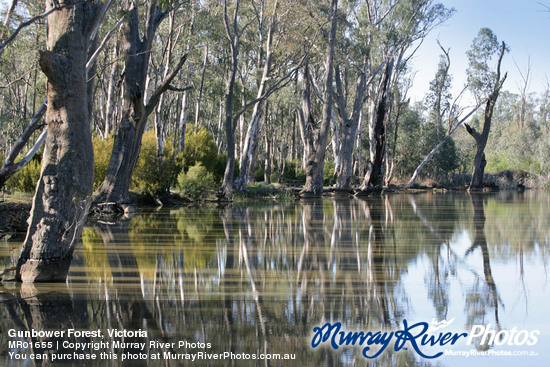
pixel 63 193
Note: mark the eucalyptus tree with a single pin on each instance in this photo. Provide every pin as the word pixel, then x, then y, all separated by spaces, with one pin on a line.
pixel 398 36
pixel 353 61
pixel 545 107
pixel 486 84
pixel 250 143
pixel 276 72
pixel 234 33
pixel 316 136
pixel 440 106
pixel 135 108
pixel 280 53
pixel 63 193
pixel 10 166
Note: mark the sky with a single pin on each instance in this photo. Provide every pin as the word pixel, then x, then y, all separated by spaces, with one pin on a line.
pixel 523 24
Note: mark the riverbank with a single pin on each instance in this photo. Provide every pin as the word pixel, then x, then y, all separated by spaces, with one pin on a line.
pixel 15 209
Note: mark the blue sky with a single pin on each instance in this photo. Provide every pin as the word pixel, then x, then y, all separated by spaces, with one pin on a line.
pixel 523 24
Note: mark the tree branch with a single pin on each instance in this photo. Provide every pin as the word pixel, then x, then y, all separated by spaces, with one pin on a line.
pixel 9 13
pixel 100 48
pixel 473 132
pixel 98 18
pixel 176 89
pixel 164 86
pixel 8 168
pixel 33 20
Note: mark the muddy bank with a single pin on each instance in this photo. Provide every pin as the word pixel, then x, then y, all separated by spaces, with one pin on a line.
pixel 13 217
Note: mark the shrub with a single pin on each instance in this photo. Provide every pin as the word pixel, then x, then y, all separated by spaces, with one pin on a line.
pixel 328 173
pixel 26 178
pixel 102 154
pixel 200 147
pixel 292 173
pixel 196 180
pixel 543 152
pixel 259 172
pixel 152 176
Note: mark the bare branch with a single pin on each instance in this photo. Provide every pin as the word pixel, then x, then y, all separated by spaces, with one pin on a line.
pixel 164 86
pixel 98 18
pixel 8 168
pixel 100 48
pixel 9 13
pixel 176 89
pixel 33 20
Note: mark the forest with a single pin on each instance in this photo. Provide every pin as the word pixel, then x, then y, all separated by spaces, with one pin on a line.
pixel 102 99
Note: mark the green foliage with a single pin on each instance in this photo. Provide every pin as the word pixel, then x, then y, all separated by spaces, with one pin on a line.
pixel 26 178
pixel 407 155
pixel 200 147
pixel 481 77
pixel 102 154
pixel 328 173
pixel 259 172
pixel 543 152
pixel 152 175
pixel 445 160
pixel 514 147
pixel 416 139
pixel 293 172
pixel 465 150
pixel 196 180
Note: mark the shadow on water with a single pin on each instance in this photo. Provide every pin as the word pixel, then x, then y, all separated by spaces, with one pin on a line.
pixel 259 279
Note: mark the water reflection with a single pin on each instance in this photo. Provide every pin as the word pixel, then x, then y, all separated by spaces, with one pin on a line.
pixel 258 279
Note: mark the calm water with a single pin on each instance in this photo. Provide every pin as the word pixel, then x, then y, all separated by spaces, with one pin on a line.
pixel 259 279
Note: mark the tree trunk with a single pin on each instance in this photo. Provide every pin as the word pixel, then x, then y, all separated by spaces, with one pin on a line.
pixel 479 168
pixel 160 115
pixel 234 38
pixel 481 139
pixel 129 133
pixel 63 193
pixel 316 158
pixel 251 140
pixel 335 144
pixel 350 126
pixel 203 72
pixel 377 131
pixel 111 92
pixel 227 185
pixel 268 157
pixel 305 120
pixel 128 136
pixel 9 166
pixel 358 143
pixel 183 121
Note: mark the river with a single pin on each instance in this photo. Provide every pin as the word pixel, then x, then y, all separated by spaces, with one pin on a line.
pixel 256 280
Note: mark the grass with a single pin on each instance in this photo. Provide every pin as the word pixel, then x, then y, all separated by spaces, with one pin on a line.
pixel 17 197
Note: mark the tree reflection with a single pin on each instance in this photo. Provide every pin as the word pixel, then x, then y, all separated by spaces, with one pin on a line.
pixel 258 279
pixel 438 285
pixel 34 307
pixel 484 296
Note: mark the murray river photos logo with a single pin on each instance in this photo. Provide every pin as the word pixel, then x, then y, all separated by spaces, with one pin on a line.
pixel 422 338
